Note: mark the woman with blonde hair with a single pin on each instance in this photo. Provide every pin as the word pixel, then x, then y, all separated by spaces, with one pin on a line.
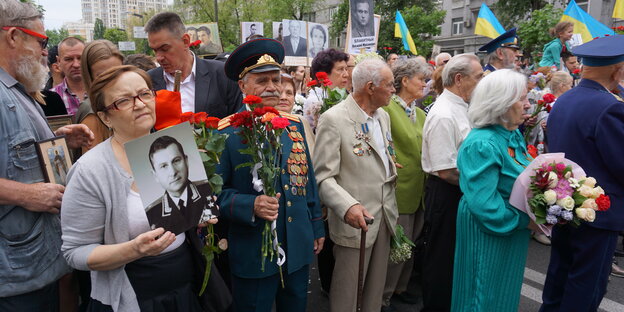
pixel 97 56
pixel 562 32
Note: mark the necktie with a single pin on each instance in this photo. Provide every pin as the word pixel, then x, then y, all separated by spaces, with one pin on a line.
pixel 181 206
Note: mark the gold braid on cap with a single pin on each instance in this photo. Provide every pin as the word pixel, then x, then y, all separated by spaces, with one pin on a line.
pixel 512 43
pixel 262 61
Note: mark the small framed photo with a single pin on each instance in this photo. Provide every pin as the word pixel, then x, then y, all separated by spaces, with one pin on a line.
pixel 58 121
pixel 55 159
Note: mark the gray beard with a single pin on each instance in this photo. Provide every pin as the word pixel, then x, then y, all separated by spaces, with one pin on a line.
pixel 31 73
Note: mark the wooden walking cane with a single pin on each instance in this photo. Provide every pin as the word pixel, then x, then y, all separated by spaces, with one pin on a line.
pixel 360 283
pixel 177 77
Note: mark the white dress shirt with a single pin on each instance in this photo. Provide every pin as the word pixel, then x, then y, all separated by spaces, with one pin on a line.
pixel 187 88
pixel 446 127
pixel 374 127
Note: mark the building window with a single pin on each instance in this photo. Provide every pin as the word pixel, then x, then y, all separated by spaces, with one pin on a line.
pixel 332 12
pixel 310 17
pixel 584 5
pixel 458 26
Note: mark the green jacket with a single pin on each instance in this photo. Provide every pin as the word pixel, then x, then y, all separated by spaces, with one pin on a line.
pixel 407 139
pixel 552 53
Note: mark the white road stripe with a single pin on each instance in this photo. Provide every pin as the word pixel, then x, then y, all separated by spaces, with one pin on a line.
pixel 536 294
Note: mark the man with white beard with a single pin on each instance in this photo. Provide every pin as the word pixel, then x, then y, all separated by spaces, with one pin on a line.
pixel 30 235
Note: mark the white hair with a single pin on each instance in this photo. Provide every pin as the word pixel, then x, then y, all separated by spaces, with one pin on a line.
pixel 439 57
pixel 458 64
pixel 367 70
pixel 494 95
pixel 16 13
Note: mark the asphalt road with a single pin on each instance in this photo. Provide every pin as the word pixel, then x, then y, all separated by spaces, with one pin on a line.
pixel 534 276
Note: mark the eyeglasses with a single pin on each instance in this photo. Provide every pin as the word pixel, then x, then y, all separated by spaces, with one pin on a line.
pixel 43 43
pixel 129 102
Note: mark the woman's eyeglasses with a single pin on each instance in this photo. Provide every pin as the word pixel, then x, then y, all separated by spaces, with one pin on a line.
pixel 129 102
pixel 43 42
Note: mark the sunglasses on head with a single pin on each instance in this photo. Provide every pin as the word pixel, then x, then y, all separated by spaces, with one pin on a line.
pixel 43 42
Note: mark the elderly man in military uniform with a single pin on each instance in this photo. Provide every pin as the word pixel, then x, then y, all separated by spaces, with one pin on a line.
pixel 587 124
pixel 502 51
pixel 296 209
pixel 184 202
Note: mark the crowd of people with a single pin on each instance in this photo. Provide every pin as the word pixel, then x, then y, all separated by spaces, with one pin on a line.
pixel 426 151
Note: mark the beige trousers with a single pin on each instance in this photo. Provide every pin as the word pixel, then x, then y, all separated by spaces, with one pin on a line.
pixel 399 273
pixel 343 293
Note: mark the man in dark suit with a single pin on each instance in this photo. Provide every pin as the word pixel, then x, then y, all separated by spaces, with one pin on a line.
pixel 256 66
pixel 294 45
pixel 587 124
pixel 204 87
pixel 183 203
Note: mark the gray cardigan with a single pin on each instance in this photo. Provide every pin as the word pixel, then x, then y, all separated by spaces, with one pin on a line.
pixel 94 213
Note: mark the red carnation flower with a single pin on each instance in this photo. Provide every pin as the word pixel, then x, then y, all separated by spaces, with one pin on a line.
pixel 200 117
pixel 532 150
pixel 188 116
pixel 549 98
pixel 280 122
pixel 312 83
pixel 576 71
pixel 195 43
pixel 268 109
pixel 259 111
pixel 252 99
pixel 321 75
pixel 548 107
pixel 241 119
pixel 603 202
pixel 212 122
pixel 327 82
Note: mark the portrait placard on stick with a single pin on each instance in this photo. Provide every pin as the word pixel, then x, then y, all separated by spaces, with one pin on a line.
pixel 208 34
pixel 362 27
pixel 250 30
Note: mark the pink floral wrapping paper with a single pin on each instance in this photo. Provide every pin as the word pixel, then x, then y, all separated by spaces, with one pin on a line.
pixel 521 193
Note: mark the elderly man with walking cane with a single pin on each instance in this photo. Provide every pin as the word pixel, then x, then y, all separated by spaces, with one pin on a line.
pixel 359 183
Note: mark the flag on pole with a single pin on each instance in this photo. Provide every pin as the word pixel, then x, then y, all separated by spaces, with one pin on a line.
pixel 585 24
pixel 618 9
pixel 401 31
pixel 487 24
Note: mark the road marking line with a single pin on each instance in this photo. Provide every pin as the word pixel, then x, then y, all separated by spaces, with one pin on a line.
pixel 536 294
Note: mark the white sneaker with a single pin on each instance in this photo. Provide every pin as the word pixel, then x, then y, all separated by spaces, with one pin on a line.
pixel 541 238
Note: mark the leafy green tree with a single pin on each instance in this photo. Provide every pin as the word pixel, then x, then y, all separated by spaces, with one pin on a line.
pixel 511 12
pixel 98 29
pixel 421 16
pixel 115 35
pixel 533 33
pixel 56 35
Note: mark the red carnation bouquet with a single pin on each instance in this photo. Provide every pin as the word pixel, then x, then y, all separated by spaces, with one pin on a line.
pixel 261 129
pixel 194 46
pixel 327 96
pixel 210 144
pixel 542 105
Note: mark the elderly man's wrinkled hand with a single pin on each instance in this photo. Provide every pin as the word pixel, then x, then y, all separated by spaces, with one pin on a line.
pixel 267 207
pixel 43 197
pixel 76 136
pixel 355 217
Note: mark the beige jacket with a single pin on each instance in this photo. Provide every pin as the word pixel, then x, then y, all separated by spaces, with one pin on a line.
pixel 346 178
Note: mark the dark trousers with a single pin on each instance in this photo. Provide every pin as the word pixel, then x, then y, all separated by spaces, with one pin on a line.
pixel 580 263
pixel 441 201
pixel 45 299
pixel 258 294
pixel 326 261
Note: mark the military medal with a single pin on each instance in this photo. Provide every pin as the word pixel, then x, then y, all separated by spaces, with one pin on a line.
pixel 297 163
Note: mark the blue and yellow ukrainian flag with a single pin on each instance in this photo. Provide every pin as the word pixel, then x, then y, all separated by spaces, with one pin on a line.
pixel 401 31
pixel 487 24
pixel 618 9
pixel 585 24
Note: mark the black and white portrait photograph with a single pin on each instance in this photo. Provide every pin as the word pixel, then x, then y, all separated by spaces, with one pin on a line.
pixel 295 38
pixel 358 45
pixel 362 24
pixel 171 179
pixel 55 159
pixel 318 36
pixel 251 30
pixel 278 31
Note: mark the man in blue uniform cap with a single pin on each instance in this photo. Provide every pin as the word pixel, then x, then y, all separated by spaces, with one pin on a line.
pixel 502 51
pixel 256 66
pixel 587 124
